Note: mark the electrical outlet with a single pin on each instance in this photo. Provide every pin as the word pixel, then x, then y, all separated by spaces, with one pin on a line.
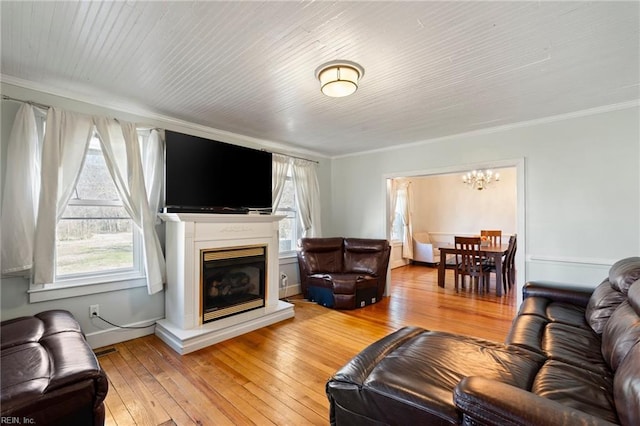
pixel 94 311
pixel 283 281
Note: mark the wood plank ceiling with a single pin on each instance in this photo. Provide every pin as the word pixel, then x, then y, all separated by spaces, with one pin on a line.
pixel 432 69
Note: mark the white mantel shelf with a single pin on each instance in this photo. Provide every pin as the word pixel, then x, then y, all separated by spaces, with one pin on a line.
pixel 219 218
pixel 186 235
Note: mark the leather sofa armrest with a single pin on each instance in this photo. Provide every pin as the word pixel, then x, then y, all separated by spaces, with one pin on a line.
pixel 489 402
pixel 557 291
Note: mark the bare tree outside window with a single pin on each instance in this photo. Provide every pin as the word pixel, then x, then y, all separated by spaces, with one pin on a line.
pixel 95 233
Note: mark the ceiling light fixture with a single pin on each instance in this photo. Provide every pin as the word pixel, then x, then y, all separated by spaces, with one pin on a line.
pixel 339 78
pixel 478 179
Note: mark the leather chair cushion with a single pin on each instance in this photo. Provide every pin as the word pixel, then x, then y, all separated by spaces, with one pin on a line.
pixel 358 255
pixel 322 255
pixel 569 385
pixel 604 300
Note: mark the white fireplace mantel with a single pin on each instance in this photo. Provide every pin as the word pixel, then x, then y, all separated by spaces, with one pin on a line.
pixel 186 235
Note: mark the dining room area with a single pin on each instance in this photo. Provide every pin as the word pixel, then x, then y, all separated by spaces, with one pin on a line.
pixel 461 226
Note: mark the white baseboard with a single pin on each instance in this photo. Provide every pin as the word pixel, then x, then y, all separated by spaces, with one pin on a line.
pixel 115 335
pixel 290 290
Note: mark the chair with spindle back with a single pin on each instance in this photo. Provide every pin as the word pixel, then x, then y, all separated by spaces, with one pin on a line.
pixel 470 263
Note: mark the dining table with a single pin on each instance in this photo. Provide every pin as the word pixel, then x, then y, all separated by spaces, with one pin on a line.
pixel 495 252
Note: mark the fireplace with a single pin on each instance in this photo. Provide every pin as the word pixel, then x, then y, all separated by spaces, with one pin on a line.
pixel 232 281
pixel 222 278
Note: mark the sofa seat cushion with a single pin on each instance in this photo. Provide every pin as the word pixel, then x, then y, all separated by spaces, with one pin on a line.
pixel 409 376
pixel 575 387
pixel 351 283
pixel 320 280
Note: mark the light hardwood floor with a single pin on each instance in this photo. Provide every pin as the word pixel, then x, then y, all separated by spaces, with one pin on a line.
pixel 277 375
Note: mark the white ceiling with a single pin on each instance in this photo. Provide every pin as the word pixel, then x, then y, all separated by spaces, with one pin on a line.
pixel 432 69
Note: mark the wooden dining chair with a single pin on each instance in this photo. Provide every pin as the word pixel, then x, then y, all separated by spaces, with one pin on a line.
pixel 494 236
pixel 508 262
pixel 470 263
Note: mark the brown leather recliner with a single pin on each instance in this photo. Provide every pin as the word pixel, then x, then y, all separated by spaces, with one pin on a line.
pixel 343 273
pixel 49 374
pixel 572 357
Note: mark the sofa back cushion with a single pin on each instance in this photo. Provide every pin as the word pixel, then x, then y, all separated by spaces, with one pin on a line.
pixel 622 331
pixel 366 256
pixel 604 300
pixel 321 255
pixel 624 272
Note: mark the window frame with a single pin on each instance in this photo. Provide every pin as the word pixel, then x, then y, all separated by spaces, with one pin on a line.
pixel 78 284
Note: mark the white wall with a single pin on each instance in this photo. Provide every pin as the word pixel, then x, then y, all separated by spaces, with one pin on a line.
pixel 125 307
pixel 581 183
pixel 444 206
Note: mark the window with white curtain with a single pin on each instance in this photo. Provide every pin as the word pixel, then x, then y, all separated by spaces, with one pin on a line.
pixel 95 236
pixel 289 226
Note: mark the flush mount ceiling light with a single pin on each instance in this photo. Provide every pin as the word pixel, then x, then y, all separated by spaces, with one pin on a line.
pixel 339 78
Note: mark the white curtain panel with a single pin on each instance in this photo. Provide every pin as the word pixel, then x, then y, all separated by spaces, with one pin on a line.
pixel 407 242
pixel 21 192
pixel 122 154
pixel 279 171
pixel 393 200
pixel 63 152
pixel 152 148
pixel 305 182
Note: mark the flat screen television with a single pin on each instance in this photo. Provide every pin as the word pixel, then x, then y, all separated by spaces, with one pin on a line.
pixel 208 176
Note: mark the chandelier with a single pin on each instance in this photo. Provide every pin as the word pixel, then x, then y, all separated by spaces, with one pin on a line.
pixel 479 179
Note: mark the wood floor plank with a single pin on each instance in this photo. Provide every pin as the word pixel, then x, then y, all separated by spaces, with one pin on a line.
pixel 143 370
pixel 276 375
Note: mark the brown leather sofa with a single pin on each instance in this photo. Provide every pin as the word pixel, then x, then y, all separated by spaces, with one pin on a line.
pixel 571 357
pixel 49 374
pixel 343 273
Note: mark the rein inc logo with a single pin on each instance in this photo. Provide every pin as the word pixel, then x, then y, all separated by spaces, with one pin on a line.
pixel 16 420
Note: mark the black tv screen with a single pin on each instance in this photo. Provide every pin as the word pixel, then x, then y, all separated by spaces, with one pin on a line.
pixel 203 175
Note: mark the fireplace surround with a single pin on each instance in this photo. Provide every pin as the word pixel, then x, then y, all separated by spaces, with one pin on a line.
pixel 244 250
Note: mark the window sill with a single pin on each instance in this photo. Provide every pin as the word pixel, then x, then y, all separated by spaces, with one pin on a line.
pixel 64 291
pixel 288 257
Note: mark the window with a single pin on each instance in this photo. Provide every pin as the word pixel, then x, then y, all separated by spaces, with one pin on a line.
pixel 288 226
pixel 95 235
